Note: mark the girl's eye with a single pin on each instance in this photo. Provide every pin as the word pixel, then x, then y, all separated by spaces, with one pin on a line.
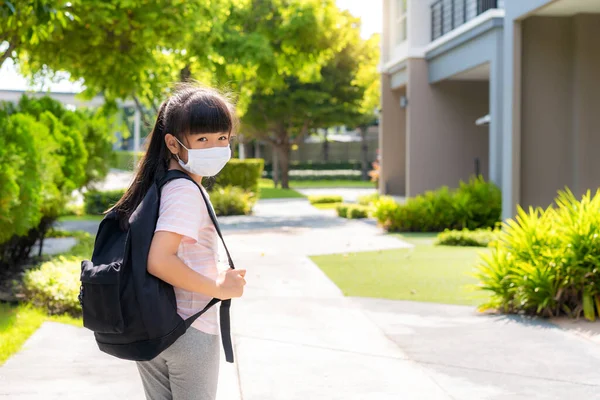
pixel 202 139
pixel 223 138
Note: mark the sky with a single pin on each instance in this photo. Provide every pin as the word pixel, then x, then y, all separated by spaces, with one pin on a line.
pixel 368 10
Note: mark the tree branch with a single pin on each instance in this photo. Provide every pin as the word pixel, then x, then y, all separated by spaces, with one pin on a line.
pixel 11 46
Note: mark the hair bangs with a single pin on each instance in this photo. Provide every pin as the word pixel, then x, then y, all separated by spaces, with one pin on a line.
pixel 206 114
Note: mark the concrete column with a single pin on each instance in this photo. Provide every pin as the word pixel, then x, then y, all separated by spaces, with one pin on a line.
pixel 392 140
pixel 496 115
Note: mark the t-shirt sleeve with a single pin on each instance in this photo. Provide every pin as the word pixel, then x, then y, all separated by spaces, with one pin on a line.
pixel 182 209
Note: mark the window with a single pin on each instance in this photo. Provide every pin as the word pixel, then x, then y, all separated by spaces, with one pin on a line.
pixel 400 21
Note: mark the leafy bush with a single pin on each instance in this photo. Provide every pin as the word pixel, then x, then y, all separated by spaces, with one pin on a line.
pixel 54 286
pixel 476 204
pixel 326 199
pixel 368 199
pixel 466 237
pixel 232 200
pixel 352 211
pixel 125 160
pixel 244 174
pixel 97 202
pixel 342 210
pixel 547 262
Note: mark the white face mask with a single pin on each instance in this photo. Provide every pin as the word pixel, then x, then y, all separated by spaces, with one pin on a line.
pixel 205 162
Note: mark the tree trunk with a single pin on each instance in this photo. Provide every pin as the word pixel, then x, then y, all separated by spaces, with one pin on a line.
pixel 7 53
pixel 185 73
pixel 275 170
pixel 326 148
pixel 283 153
pixel 364 153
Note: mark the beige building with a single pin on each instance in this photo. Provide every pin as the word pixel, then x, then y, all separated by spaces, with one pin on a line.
pixel 509 89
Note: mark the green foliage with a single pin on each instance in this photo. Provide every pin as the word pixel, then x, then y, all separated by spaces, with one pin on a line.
pixel 546 262
pixel 352 211
pixel 319 166
pixel 244 174
pixel 124 160
pixel 232 201
pixel 368 199
pixel 476 204
pixel 26 174
pixel 466 237
pixel 325 199
pixel 97 202
pixel 54 286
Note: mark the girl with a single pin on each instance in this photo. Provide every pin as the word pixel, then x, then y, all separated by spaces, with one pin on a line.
pixel 192 134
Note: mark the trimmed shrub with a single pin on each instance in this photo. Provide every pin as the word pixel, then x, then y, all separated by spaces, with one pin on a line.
pixel 124 160
pixel 244 174
pixel 97 202
pixel 368 199
pixel 476 204
pixel 547 262
pixel 326 199
pixel 232 200
pixel 357 212
pixel 54 286
pixel 342 210
pixel 317 165
pixel 352 211
pixel 466 237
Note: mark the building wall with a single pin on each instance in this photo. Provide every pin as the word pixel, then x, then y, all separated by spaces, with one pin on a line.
pixel 392 140
pixel 442 139
pixel 560 122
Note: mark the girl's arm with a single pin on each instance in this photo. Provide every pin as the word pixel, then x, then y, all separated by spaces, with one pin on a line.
pixel 165 265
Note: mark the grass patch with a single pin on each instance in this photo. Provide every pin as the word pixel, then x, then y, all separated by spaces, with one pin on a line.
pixel 438 274
pixel 267 190
pixel 71 218
pixel 17 323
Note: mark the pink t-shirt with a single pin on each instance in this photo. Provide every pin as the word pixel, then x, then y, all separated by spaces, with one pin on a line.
pixel 183 211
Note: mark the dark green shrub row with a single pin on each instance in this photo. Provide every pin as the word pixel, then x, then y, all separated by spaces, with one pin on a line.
pixel 352 211
pixel 325 199
pixel 547 262
pixel 323 177
pixel 244 174
pixel 318 165
pixel 476 204
pixel 97 202
pixel 466 237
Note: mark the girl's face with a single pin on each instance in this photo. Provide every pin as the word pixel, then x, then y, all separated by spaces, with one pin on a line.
pixel 196 141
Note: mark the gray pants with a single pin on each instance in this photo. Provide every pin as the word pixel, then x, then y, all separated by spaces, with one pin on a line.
pixel 187 370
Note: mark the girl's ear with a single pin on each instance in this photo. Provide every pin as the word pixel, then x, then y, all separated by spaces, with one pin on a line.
pixel 172 143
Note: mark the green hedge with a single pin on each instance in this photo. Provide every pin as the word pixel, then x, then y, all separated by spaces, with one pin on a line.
pixel 244 174
pixel 476 204
pixel 125 160
pixel 325 199
pixel 466 237
pixel 232 201
pixel 317 165
pixel 368 199
pixel 547 262
pixel 325 177
pixel 352 211
pixel 97 202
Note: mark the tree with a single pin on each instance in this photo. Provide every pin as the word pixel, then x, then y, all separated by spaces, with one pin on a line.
pixel 368 78
pixel 286 114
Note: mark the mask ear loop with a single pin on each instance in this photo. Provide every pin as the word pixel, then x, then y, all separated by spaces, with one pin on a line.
pixel 182 145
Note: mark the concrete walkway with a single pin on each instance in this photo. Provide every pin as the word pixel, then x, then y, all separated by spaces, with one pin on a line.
pixel 296 336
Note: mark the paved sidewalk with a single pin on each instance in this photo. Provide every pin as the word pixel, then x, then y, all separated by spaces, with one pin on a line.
pixel 296 336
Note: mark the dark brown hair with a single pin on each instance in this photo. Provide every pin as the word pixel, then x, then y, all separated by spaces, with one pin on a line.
pixel 191 109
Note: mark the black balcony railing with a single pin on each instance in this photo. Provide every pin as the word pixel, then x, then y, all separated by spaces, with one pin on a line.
pixel 447 15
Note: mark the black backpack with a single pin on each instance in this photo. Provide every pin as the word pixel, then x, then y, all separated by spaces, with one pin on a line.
pixel 134 314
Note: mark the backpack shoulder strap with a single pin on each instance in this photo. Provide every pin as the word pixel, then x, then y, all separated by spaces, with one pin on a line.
pixel 225 304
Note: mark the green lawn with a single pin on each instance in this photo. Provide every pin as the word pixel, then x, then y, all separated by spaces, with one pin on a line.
pixel 268 191
pixel 17 323
pixel 438 274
